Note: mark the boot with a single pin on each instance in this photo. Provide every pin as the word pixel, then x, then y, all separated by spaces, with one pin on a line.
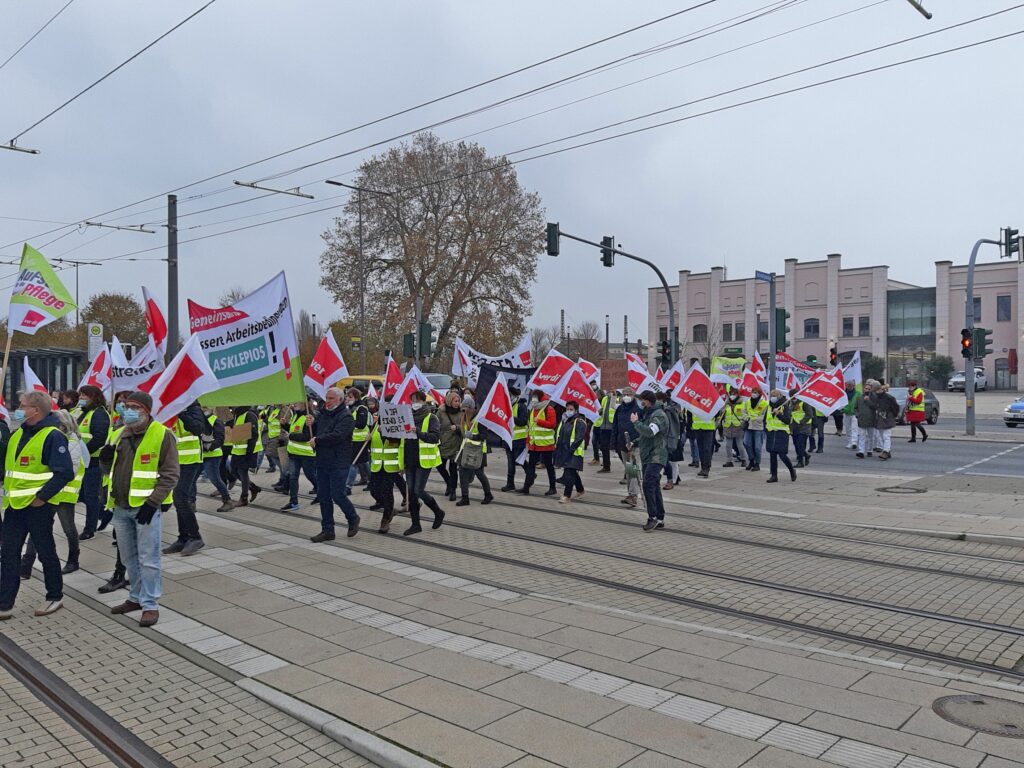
pixel 226 506
pixel 629 501
pixel 552 491
pixel 72 564
pixel 792 474
pixel 727 464
pixel 799 462
pixel 772 479
pixel 463 502
pixel 487 499
pixel 117 581
pixel 508 487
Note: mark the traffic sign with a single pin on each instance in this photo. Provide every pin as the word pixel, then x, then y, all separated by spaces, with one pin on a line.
pixel 357 343
pixel 733 350
pixel 763 276
pixel 94 333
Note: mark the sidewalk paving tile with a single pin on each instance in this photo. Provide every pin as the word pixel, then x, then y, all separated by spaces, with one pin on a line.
pixel 452 746
pixel 461 706
pixel 561 701
pixel 365 672
pixel 825 698
pixel 366 710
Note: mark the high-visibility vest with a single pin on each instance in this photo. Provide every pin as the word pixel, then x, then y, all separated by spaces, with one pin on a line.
pixel 755 412
pixel 297 447
pixel 733 415
pixel 239 450
pixel 773 423
pixel 606 415
pixel 190 447
pixel 76 413
pixel 274 423
pixel 916 406
pixel 69 493
pixel 145 465
pixel 24 471
pixel 798 416
pixel 540 436
pixel 572 438
pixel 215 453
pixel 699 423
pixel 518 432
pixel 85 430
pixel 430 453
pixel 475 431
pixel 111 440
pixel 389 458
pixel 362 434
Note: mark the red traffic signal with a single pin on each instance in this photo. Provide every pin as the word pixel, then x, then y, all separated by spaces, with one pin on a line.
pixel 966 343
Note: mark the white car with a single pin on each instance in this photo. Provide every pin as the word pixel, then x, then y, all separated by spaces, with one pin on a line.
pixel 956 381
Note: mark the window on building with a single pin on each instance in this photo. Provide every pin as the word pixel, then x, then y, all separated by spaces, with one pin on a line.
pixel 762 330
pixel 726 331
pixel 811 328
pixel 741 332
pixel 1003 309
pixel 865 292
pixel 663 334
pixel 864 325
pixel 700 333
pixel 847 293
pixel 847 326
pixel 977 309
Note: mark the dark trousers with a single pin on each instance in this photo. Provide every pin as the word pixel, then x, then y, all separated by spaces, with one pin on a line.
pixel 301 465
pixel 571 478
pixel 510 458
pixel 211 467
pixel 226 474
pixel 652 490
pixel 66 515
pixel 837 418
pixel 603 442
pixel 382 488
pixel 817 436
pixel 185 502
pixel 915 427
pixel 19 524
pixel 240 468
pixel 466 478
pixel 547 458
pixel 89 495
pixel 774 457
pixel 331 487
pixel 705 447
pixel 449 472
pixel 800 445
pixel 416 480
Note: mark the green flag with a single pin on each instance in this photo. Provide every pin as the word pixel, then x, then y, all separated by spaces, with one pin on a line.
pixel 39 297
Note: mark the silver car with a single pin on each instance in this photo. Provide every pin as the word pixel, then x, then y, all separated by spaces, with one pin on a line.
pixel 931 404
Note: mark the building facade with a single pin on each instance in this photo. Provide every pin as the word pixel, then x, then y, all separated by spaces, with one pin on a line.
pixel 849 309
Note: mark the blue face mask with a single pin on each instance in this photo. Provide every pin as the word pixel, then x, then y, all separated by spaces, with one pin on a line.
pixel 130 415
pixel 120 409
pixel 83 403
pixel 19 414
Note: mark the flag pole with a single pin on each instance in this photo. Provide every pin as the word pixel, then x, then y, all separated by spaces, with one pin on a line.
pixel 7 356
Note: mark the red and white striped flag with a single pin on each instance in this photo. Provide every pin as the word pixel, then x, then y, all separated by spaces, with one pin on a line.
pixel 187 378
pixel 791 382
pixel 673 376
pixel 327 366
pixel 574 386
pixel 590 371
pixel 392 378
pixel 640 379
pixel 156 323
pixel 823 392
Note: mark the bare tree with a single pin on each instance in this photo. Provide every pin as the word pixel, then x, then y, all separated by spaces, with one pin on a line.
pixel 587 341
pixel 544 340
pixel 455 230
pixel 231 295
pixel 709 345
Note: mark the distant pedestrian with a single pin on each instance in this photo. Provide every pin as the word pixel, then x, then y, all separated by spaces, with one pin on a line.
pixel 652 428
pixel 332 443
pixel 421 454
pixel 887 411
pixel 570 449
pixel 865 414
pixel 777 421
pixel 915 411
pixel 624 440
pixel 541 442
pixel 472 455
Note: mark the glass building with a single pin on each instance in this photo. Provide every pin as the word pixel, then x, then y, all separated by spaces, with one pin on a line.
pixel 910 344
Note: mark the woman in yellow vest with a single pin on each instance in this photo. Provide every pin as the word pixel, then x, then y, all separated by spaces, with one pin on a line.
pixel 776 424
pixel 243 454
pixel 387 462
pixel 421 454
pixel 520 428
pixel 473 454
pixel 93 425
pixel 570 446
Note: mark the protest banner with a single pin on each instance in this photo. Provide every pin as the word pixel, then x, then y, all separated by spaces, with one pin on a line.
pixel 395 421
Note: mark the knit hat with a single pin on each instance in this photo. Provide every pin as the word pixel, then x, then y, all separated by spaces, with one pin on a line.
pixel 648 396
pixel 468 402
pixel 141 398
pixel 628 392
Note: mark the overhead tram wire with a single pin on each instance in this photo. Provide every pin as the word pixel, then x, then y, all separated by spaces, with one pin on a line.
pixel 36 34
pixel 120 66
pixel 399 113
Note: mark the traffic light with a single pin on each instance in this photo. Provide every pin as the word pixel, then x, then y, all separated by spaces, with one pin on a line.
pixel 781 329
pixel 966 343
pixel 982 343
pixel 553 235
pixel 666 353
pixel 833 357
pixel 607 254
pixel 409 345
pixel 812 359
pixel 1011 243
pixel 427 339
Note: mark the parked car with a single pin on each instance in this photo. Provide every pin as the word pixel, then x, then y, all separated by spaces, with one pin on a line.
pixel 956 381
pixel 442 382
pixel 931 404
pixel 1013 414
pixel 363 382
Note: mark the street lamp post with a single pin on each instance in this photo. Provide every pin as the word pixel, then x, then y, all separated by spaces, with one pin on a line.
pixel 607 354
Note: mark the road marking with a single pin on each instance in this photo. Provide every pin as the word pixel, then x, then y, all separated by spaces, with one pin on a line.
pixel 982 461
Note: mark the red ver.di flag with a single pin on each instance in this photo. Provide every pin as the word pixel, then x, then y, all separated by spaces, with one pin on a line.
pixel 673 376
pixel 99 372
pixel 574 386
pixel 698 394
pixel 156 324
pixel 495 411
pixel 392 378
pixel 547 377
pixel 640 379
pixel 824 393
pixel 187 378
pixel 327 366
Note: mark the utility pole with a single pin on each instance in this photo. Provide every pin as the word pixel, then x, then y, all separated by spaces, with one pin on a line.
pixel 969 325
pixel 771 333
pixel 561 329
pixel 607 354
pixel 172 276
pixel 419 319
pixel 625 333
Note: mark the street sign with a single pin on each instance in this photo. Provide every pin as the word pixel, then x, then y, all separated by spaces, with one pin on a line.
pixel 765 277
pixel 94 332
pixel 733 350
pixel 357 343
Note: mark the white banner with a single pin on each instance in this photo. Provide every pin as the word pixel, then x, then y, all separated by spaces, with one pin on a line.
pixel 147 364
pixel 466 361
pixel 396 421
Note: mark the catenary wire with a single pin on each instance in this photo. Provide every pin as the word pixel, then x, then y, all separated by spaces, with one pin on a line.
pixel 36 34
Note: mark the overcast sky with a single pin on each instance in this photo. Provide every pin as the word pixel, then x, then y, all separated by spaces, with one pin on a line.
pixel 903 167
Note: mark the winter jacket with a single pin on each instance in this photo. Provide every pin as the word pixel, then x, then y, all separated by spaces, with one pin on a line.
pixel 432 434
pixel 864 408
pixel 623 429
pixel 887 410
pixel 652 430
pixel 802 419
pixel 54 454
pixel 332 431
pixel 451 439
pixel 544 416
pixel 167 466
pixel 566 447
pixel 193 420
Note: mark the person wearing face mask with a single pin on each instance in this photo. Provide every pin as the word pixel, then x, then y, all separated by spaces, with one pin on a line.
pixel 68 401
pixel 602 431
pixel 332 444
pixel 732 428
pixel 777 421
pixel 673 442
pixel 570 447
pixel 37 467
pixel 866 413
pixel 449 417
pixel 421 454
pixel 143 473
pixel 801 426
pixel 520 431
pixel 213 453
pixel 652 428
pixel 93 426
pixel 475 444
pixel 301 455
pixel 188 430
pixel 362 424
pixel 243 455
pixel 754 411
pixel 540 442
pixel 624 437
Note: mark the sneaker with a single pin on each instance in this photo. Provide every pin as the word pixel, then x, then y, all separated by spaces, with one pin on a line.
pixel 173 549
pixel 412 529
pixel 438 519
pixel 86 535
pixel 290 507
pixel 702 473
pixel 651 524
pixel 353 528
pixel 48 607
pixel 564 500
pixel 860 455
pixel 487 499
pixel 385 522
pixel 227 506
pixel 667 486
pixel 594 462
pixel 579 495
pixel 322 536
pixel 192 546
pixel 6 613
pixel 149 618
pixel 126 607
pixel 869 454
pixel 629 501
pixel 660 525
pixel 70 567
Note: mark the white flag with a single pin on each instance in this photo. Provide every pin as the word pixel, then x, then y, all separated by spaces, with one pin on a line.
pixel 187 378
pixel 99 371
pixel 495 412
pixel 146 366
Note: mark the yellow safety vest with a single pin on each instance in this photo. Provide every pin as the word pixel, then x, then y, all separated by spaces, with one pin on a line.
pixel 190 447
pixel 798 416
pixel 429 453
pixel 572 439
pixel 540 436
pixel 607 410
pixel 518 432
pixel 917 406
pixel 273 423
pixel 753 412
pixel 297 447
pixel 85 430
pixel 389 458
pixel 699 423
pixel 773 423
pixel 24 471
pixel 69 493
pixel 111 440
pixel 239 449
pixel 733 415
pixel 474 430
pixel 361 434
pixel 216 453
pixel 145 463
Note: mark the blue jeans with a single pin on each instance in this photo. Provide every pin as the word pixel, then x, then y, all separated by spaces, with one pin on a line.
pixel 211 467
pixel 36 522
pixel 139 546
pixel 354 470
pixel 297 465
pixel 753 440
pixel 652 491
pixel 331 488
pixel 89 494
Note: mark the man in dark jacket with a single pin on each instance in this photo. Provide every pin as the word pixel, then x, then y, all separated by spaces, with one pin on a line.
pixel 93 424
pixel 520 421
pixel 332 441
pixel 37 466
pixel 652 428
pixel 421 455
pixel 188 431
pixel 570 441
pixel 624 437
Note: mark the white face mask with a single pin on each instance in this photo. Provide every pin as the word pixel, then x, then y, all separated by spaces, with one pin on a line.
pixel 416 406
pixel 534 401
pixel 627 399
